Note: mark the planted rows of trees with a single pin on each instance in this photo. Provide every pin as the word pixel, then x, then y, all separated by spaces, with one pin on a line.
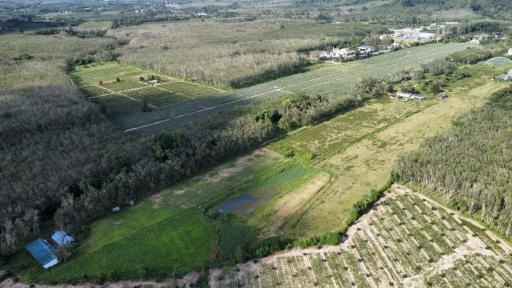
pixel 470 56
pixel 470 165
pixel 236 54
pixel 53 142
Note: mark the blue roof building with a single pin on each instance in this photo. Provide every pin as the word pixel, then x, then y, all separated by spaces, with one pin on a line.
pixel 61 238
pixel 43 252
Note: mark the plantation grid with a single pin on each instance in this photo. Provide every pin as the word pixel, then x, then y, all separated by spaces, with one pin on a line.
pixel 405 241
pixel 334 81
pixel 126 96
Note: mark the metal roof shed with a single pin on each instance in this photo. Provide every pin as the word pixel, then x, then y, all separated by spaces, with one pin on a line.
pixel 43 252
pixel 62 238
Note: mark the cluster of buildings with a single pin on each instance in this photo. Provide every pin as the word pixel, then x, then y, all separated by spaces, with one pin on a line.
pixel 44 252
pixel 349 54
pixel 477 39
pixel 413 35
pixel 400 38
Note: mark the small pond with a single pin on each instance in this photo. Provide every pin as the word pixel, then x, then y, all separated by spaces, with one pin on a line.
pixel 236 205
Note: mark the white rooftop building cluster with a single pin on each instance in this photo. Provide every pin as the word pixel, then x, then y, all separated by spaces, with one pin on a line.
pixel 348 54
pixel 414 35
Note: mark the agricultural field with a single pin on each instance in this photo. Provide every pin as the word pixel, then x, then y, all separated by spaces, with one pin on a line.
pixel 91 26
pixel 406 240
pixel 334 80
pixel 231 53
pixel 143 242
pixel 364 144
pixel 55 48
pixel 177 224
pixel 123 89
pixel 268 194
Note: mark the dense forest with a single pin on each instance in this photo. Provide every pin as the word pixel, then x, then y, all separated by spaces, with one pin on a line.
pixel 469 166
pixel 52 140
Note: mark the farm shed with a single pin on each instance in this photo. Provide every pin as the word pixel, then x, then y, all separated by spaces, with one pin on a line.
pixel 43 252
pixel 62 238
pixel 408 96
pixel 365 49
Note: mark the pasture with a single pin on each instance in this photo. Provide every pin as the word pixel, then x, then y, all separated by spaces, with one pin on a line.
pixel 406 240
pixel 123 89
pixel 335 80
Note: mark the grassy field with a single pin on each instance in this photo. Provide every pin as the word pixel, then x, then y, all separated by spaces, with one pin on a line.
pixel 118 87
pixel 139 243
pixel 405 241
pixel 360 147
pixel 268 192
pixel 91 26
pixel 335 80
pixel 176 230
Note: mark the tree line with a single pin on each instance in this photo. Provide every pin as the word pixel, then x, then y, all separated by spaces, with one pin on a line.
pixel 469 165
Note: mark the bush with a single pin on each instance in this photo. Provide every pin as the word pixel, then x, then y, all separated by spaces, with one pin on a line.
pixel 270 245
pixel 469 56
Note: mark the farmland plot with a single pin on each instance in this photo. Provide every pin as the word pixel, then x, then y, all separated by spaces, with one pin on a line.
pixel 406 240
pixel 333 81
pixel 361 146
pixel 122 89
pixel 171 231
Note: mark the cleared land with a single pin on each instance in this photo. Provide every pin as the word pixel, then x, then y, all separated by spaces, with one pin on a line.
pixel 118 87
pixel 332 81
pixel 406 240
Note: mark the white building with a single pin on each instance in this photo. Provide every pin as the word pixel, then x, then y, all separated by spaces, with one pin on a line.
pixel 337 53
pixel 509 51
pixel 366 49
pixel 413 35
pixel 409 96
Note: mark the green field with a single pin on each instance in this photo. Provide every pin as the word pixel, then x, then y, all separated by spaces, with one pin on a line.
pixel 295 198
pixel 176 230
pixel 334 80
pixel 405 241
pixel 144 242
pixel 119 89
pixel 359 148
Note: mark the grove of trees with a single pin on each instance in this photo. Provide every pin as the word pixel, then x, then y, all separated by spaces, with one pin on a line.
pixel 470 165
